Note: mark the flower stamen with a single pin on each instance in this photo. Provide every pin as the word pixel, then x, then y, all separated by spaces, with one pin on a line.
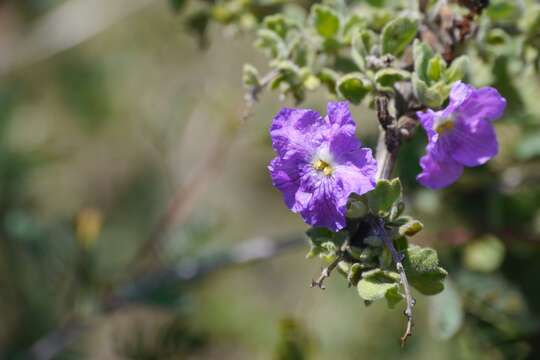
pixel 323 166
pixel 444 125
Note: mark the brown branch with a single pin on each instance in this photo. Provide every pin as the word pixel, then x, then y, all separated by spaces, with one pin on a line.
pixel 387 147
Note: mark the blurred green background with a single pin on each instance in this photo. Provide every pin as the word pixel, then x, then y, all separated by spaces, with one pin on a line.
pixel 112 117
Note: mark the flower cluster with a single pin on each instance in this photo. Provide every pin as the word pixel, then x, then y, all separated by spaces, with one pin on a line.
pixel 320 163
pixel 460 135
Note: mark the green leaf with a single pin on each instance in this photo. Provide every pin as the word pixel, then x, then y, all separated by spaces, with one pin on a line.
pixel 324 242
pixel 422 260
pixel 446 313
pixel 378 19
pixel 353 25
pixel 356 207
pixel 250 76
pixel 329 78
pixel 358 52
pixel 422 53
pixel 485 254
pixel 397 34
pixel 497 37
pixel 365 255
pixel 331 45
pixel 270 43
pixel 375 284
pixel 380 275
pixel 278 24
pixel 353 87
pixel 320 235
pixel 376 3
pixel 388 77
pixel 429 283
pixel 385 194
pixel 401 243
pixel 325 20
pixel 435 68
pixel 457 69
pixel 503 10
pixel 423 270
pixel 393 297
pixel 290 79
pixel 371 291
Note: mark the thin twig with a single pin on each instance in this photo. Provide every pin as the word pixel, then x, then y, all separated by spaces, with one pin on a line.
pixel 327 271
pixel 378 225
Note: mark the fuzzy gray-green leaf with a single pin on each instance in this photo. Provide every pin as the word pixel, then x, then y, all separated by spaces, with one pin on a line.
pixel 398 34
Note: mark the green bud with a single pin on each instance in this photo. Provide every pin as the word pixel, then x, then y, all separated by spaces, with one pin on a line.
pixel 435 68
pixel 411 228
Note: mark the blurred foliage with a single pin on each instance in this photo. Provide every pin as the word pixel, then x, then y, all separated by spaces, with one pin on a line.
pixel 294 343
pixel 68 238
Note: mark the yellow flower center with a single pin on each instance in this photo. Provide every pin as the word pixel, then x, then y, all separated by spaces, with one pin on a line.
pixel 323 166
pixel 444 125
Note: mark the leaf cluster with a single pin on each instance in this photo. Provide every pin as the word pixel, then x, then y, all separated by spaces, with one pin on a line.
pixel 365 260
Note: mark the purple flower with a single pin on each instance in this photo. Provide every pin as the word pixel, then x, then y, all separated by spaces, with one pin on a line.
pixel 460 135
pixel 320 163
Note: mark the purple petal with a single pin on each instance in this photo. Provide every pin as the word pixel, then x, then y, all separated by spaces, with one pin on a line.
pixel 286 173
pixel 438 170
pixel 321 207
pixel 427 119
pixel 459 93
pixel 339 114
pixel 355 166
pixel 473 143
pixel 295 129
pixel 484 104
